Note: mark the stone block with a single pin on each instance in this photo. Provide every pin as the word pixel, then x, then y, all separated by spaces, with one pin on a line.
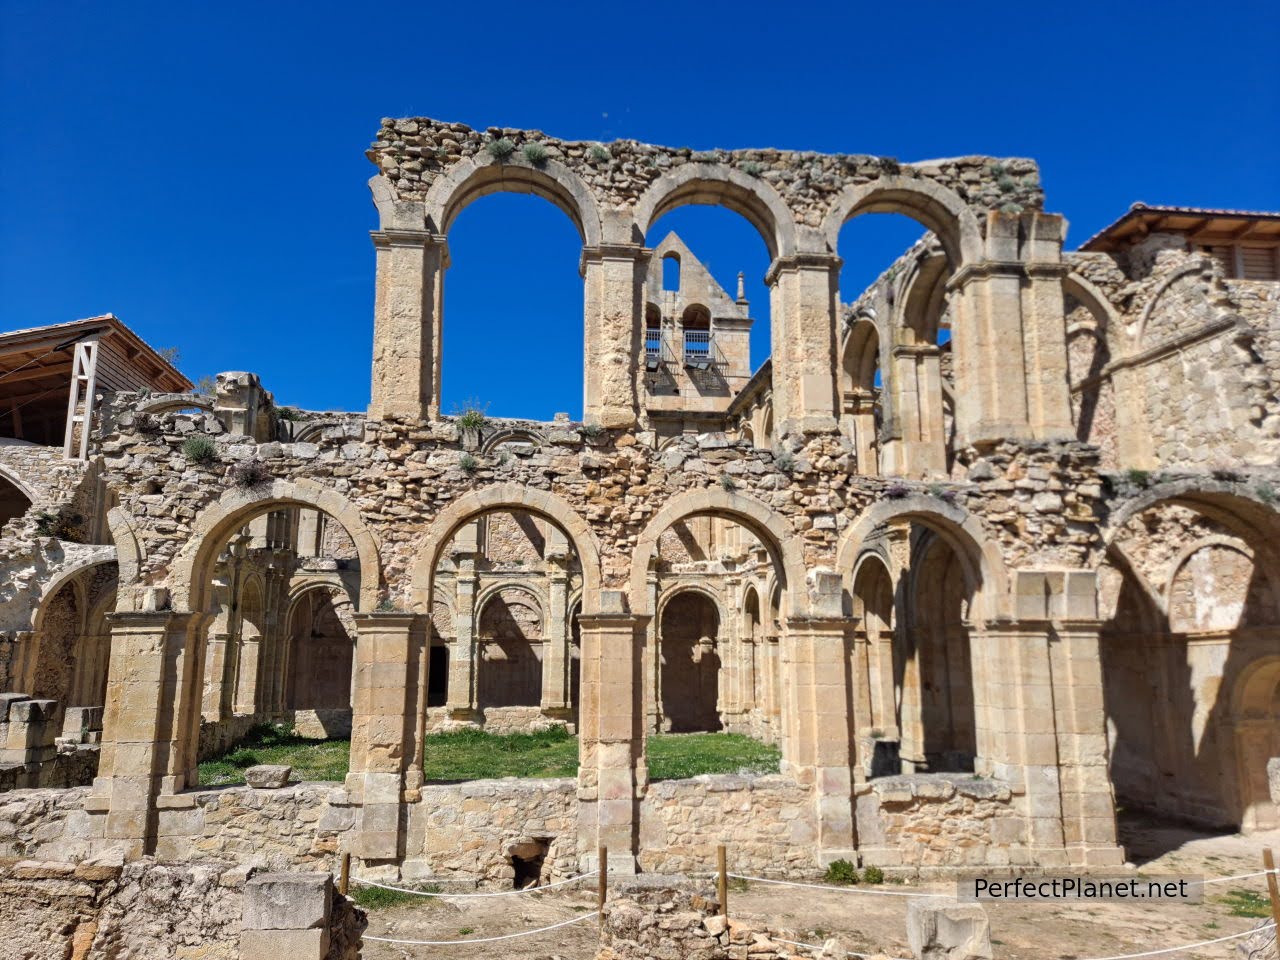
pixel 268 776
pixel 288 901
pixel 1273 778
pixel 940 929
pixel 282 944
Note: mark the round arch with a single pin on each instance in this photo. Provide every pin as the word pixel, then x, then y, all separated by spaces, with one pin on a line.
pixel 487 595
pixel 188 577
pixel 1237 508
pixel 1093 299
pixel 768 526
pixel 477 177
pixel 861 354
pixel 505 435
pixel 980 558
pixel 168 402
pixel 506 496
pixel 678 588
pixel 21 485
pixel 930 204
pixel 714 184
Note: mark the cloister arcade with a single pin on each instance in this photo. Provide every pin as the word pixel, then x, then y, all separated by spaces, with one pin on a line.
pixel 894 550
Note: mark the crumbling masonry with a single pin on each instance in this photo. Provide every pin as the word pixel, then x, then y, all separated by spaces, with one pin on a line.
pixel 981 550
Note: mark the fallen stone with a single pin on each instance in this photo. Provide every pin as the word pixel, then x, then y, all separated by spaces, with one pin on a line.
pixel 948 930
pixel 268 776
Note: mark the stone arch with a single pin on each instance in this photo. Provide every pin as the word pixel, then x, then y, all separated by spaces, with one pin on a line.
pixel 1235 506
pixel 1190 550
pixel 188 577
pixel 770 527
pixel 169 402
pixel 512 496
pixel 930 204
pixel 477 177
pixel 980 558
pixel 1093 299
pixel 505 435
pixel 490 592
pixel 714 184
pixel 669 594
pixel 1200 267
pixel 861 354
pixel 25 488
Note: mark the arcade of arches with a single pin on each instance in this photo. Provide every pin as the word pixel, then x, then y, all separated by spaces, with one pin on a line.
pixel 977 588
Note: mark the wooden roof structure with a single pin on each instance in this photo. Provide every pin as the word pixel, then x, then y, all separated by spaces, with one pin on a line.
pixel 1201 226
pixel 37 372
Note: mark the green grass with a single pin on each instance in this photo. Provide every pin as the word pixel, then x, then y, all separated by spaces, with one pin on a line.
pixel 1246 903
pixel 376 898
pixel 477 755
pixel 310 759
pixel 678 756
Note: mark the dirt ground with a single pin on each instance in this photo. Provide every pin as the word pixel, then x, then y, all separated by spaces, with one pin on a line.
pixel 870 924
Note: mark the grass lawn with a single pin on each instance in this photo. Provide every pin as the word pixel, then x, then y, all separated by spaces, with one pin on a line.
pixel 476 755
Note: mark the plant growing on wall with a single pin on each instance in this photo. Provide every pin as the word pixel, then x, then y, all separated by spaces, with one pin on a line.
pixel 599 153
pixel 200 449
pixel 500 149
pixel 247 474
pixel 468 464
pixel 535 153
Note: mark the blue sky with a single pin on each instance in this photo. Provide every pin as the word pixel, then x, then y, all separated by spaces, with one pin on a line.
pixel 198 169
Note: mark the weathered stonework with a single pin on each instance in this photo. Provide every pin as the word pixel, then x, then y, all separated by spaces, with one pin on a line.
pixel 935 570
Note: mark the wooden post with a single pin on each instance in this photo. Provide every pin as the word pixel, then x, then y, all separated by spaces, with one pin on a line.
pixel 722 883
pixel 1273 886
pixel 344 876
pixel 602 885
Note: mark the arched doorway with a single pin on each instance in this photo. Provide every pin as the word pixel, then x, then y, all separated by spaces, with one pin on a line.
pixel 689 664
pixel 319 660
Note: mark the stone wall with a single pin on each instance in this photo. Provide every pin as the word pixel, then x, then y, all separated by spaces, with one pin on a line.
pixel 470 831
pixel 767 822
pixel 103 909
pixel 934 821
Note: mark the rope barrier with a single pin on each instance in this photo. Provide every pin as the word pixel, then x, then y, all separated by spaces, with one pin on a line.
pixel 468 896
pixel 824 886
pixel 1186 946
pixel 505 936
pixel 1243 876
pixel 847 953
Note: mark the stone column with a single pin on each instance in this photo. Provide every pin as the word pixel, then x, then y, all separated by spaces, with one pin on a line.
pixel 406 323
pixel 652 667
pixel 612 773
pixel 384 726
pixel 817 750
pixel 860 420
pixel 463 662
pixel 613 307
pixel 1088 802
pixel 1010 340
pixel 804 290
pixel 555 662
pixel 149 699
pixel 915 443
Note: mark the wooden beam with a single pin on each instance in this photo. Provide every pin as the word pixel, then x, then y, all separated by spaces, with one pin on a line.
pixel 34 373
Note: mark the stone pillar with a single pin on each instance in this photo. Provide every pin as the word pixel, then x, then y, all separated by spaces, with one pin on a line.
pixel 384 726
pixel 804 291
pixel 915 444
pixel 286 916
pixel 464 658
pixel 1010 340
pixel 555 661
pixel 406 323
pixel 817 749
pixel 612 773
pixel 652 667
pixel 145 723
pixel 613 306
pixel 860 420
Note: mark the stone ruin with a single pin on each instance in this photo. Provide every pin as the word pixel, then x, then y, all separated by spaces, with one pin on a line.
pixel 981 549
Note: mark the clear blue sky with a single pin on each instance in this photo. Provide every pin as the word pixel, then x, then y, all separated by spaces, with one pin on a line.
pixel 198 169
